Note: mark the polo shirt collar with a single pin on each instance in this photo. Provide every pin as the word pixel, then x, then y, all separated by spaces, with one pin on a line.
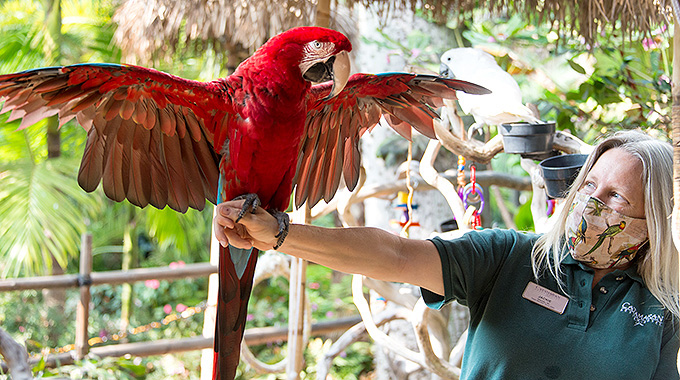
pixel 630 271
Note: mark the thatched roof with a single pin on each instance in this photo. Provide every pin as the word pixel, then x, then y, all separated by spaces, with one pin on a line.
pixel 585 17
pixel 152 29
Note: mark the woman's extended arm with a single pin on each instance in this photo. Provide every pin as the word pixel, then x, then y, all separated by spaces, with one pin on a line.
pixel 369 251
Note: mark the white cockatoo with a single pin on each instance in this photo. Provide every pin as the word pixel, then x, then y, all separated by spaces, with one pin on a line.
pixel 503 104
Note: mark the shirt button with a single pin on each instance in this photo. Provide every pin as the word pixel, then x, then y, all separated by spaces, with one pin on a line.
pixel 619 278
pixel 592 307
pixel 603 290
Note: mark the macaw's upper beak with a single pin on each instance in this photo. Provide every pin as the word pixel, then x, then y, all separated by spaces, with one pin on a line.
pixel 336 68
pixel 341 69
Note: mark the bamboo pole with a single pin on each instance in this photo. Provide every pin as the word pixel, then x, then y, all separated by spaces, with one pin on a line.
pixel 296 305
pixel 253 337
pixel 110 277
pixel 323 13
pixel 209 319
pixel 143 274
pixel 298 268
pixel 130 261
pixel 675 123
pixel 83 309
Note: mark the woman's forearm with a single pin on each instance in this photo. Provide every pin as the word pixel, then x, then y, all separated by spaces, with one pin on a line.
pixel 369 251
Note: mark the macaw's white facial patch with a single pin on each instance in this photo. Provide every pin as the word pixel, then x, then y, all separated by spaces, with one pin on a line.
pixel 315 52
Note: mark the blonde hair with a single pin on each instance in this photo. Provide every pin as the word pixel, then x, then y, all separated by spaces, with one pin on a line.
pixel 658 264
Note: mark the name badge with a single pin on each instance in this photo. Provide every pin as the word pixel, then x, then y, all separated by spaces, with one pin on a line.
pixel 545 297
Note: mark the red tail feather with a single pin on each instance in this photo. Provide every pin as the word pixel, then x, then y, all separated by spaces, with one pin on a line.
pixel 232 303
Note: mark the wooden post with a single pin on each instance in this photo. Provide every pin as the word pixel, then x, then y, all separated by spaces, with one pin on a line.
pixel 298 267
pixel 675 126
pixel 323 13
pixel 208 354
pixel 83 309
pixel 296 305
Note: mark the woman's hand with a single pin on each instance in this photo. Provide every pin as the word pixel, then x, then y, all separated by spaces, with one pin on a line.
pixel 253 230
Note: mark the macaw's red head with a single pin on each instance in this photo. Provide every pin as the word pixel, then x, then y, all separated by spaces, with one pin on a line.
pixel 321 54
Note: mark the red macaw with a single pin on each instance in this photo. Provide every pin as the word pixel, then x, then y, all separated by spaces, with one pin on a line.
pixel 158 139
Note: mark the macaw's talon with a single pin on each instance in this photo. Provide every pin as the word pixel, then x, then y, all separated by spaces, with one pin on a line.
pixel 252 202
pixel 284 224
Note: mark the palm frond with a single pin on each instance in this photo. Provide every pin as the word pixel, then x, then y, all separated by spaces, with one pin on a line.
pixel 42 212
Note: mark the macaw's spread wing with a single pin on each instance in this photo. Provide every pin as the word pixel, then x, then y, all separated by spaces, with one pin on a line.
pixel 150 134
pixel 330 147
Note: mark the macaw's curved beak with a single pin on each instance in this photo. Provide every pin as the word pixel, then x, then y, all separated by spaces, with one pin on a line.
pixel 335 68
pixel 340 73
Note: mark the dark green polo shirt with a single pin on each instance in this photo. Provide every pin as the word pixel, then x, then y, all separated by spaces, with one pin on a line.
pixel 615 330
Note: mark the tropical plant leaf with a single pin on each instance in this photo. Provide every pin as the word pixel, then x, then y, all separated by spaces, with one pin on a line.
pixel 578 68
pixel 180 236
pixel 43 212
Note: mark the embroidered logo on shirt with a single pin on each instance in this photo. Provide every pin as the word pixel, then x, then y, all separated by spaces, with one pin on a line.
pixel 641 319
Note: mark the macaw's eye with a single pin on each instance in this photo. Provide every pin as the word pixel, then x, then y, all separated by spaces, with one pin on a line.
pixel 316 44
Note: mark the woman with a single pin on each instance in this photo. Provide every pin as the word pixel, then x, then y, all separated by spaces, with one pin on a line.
pixel 594 298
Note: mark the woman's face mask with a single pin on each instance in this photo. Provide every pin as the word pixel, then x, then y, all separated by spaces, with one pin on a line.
pixel 601 237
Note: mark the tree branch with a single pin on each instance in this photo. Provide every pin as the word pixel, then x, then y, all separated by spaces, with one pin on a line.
pixel 16 357
pixel 470 149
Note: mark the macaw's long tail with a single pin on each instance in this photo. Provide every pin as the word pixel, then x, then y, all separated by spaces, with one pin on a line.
pixel 236 271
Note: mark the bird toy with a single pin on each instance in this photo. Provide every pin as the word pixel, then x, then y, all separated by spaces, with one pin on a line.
pixel 551 207
pixel 461 175
pixel 406 220
pixel 473 193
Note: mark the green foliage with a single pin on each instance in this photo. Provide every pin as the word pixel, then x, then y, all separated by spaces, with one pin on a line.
pixel 178 236
pixel 100 369
pixel 42 208
pixel 394 149
pixel 356 360
pixel 42 211
pixel 87 36
pixel 628 88
pixel 26 318
pixel 419 48
pixel 328 300
pixel 588 90
pixel 40 198
pixel 86 27
pixel 20 35
pixel 523 218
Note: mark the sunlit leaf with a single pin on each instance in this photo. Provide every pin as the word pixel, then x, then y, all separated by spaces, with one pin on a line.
pixel 43 212
pixel 578 68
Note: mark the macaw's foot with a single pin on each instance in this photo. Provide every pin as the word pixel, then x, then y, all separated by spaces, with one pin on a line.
pixel 252 202
pixel 284 223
